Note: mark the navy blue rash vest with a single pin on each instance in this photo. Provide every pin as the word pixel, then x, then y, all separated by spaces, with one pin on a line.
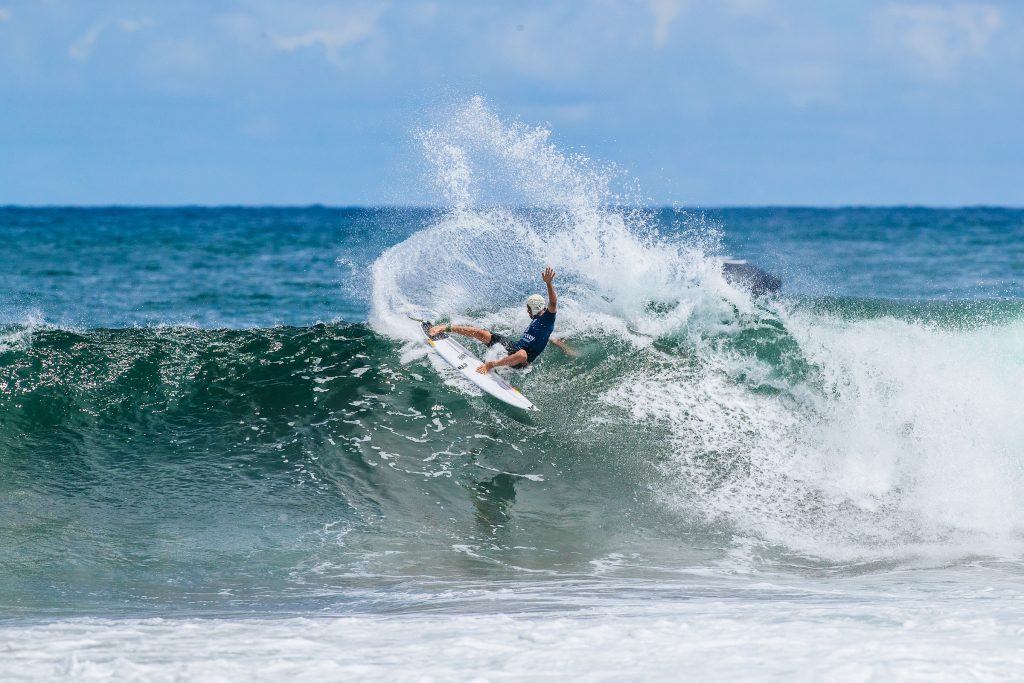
pixel 536 336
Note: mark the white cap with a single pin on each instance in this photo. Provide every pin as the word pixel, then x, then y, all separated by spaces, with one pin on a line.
pixel 535 304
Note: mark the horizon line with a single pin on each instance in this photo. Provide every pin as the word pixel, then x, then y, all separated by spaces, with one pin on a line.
pixel 431 207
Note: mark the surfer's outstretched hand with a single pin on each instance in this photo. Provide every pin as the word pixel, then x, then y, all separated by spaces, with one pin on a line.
pixel 484 368
pixel 548 275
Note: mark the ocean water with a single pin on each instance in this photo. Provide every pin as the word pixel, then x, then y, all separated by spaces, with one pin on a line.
pixel 225 454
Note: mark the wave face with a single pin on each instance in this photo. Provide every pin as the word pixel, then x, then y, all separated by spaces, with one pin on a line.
pixel 185 467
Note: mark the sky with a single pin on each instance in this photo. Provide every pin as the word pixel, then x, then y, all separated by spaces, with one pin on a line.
pixel 702 102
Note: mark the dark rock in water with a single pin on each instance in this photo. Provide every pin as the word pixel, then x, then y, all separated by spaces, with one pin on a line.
pixel 751 278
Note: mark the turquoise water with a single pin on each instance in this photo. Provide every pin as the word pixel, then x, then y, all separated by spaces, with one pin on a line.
pixel 221 441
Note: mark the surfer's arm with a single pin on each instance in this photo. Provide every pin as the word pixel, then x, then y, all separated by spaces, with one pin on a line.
pixel 569 351
pixel 514 359
pixel 547 276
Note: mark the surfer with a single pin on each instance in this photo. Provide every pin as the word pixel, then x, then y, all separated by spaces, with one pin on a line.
pixel 523 352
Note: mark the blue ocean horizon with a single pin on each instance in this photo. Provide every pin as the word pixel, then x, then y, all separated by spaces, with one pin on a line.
pixel 830 251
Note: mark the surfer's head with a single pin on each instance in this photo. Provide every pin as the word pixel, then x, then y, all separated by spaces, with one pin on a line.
pixel 535 305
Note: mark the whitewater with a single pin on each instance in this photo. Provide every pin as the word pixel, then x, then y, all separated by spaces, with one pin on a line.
pixel 225 452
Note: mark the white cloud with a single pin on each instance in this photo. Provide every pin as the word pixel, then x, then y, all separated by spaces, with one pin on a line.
pixel 5 14
pixel 941 37
pixel 333 33
pixel 82 48
pixel 665 12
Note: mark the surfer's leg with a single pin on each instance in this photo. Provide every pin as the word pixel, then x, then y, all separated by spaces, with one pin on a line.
pixel 482 336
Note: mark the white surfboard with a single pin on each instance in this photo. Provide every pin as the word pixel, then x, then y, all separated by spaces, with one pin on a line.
pixel 457 356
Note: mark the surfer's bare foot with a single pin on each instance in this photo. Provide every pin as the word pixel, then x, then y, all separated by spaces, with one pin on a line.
pixel 436 330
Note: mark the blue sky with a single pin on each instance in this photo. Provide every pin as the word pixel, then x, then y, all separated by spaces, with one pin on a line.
pixel 724 102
